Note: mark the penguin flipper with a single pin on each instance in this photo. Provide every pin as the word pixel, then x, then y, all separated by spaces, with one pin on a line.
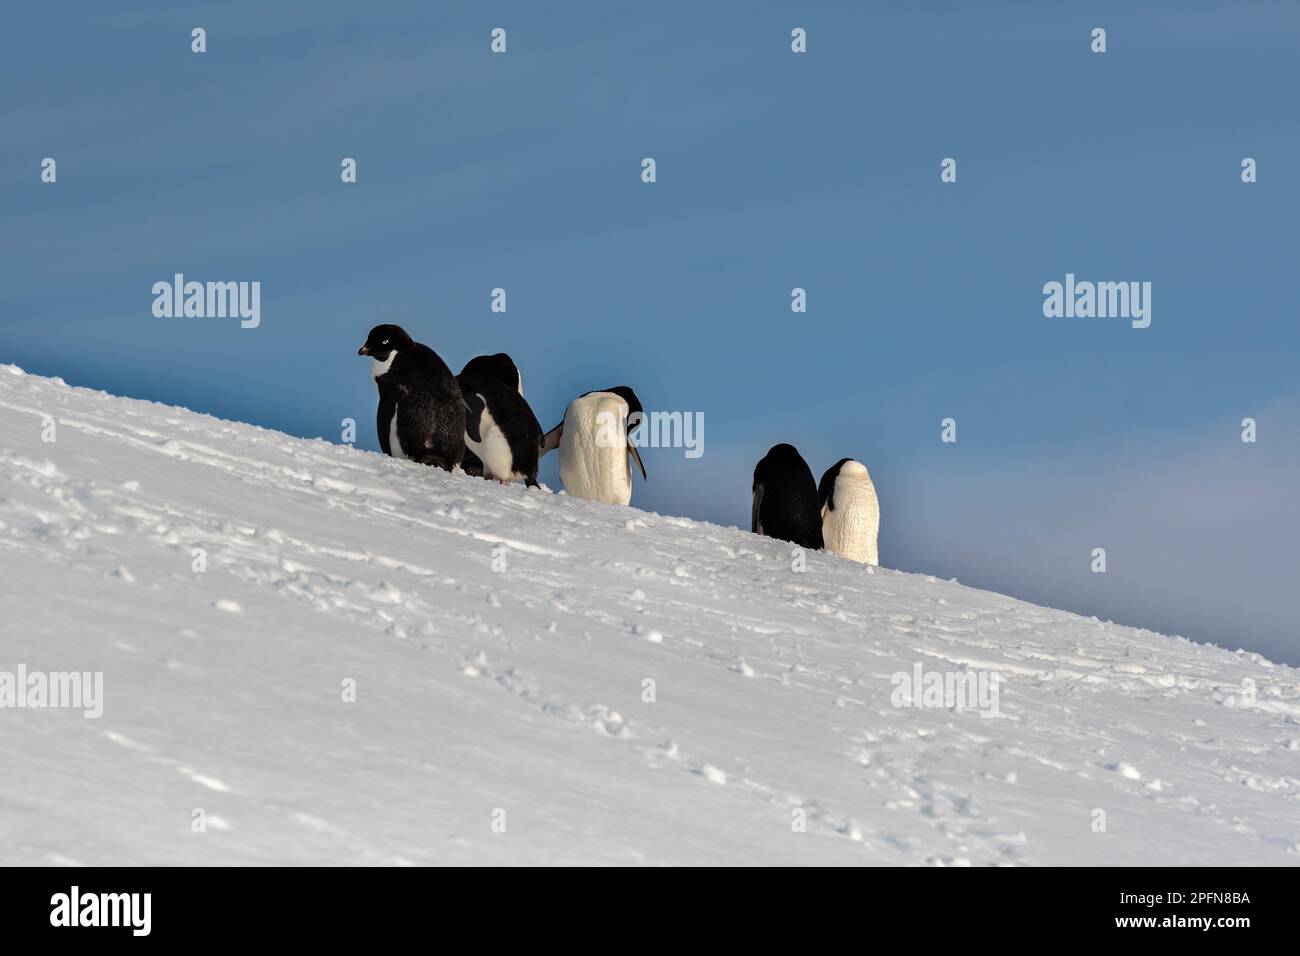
pixel 755 525
pixel 636 456
pixel 474 406
pixel 551 440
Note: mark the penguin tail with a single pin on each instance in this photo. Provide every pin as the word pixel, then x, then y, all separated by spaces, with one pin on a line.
pixel 435 461
pixel 531 482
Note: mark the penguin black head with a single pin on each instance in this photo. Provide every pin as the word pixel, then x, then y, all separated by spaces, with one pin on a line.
pixel 500 367
pixel 779 458
pixel 383 340
pixel 783 463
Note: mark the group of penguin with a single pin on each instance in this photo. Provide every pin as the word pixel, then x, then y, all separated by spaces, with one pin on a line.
pixel 479 421
pixel 840 513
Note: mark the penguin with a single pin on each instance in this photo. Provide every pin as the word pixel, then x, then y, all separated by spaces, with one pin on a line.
pixel 500 428
pixel 785 499
pixel 850 511
pixel 501 366
pixel 421 414
pixel 594 462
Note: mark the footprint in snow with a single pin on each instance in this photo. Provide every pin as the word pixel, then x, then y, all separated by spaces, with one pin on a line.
pixel 1125 769
pixel 649 633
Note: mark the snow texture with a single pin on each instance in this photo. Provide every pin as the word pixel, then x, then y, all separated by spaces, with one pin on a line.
pixel 515 695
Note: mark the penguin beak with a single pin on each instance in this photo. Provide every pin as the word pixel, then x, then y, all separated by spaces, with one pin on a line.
pixel 363 351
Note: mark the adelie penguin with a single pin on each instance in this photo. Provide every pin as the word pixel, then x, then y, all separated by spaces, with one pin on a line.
pixel 785 499
pixel 500 428
pixel 595 447
pixel 500 366
pixel 421 415
pixel 850 511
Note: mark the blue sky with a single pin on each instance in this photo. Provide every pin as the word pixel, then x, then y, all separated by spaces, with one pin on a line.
pixel 775 170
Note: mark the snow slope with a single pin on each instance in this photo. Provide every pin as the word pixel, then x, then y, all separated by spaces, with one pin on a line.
pixel 520 690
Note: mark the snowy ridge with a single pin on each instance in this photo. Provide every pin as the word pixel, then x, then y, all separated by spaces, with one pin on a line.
pixel 521 689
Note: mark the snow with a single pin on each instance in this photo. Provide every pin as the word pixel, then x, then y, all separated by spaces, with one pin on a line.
pixel 385 664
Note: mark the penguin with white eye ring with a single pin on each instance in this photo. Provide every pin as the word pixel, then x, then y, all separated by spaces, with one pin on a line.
pixel 421 415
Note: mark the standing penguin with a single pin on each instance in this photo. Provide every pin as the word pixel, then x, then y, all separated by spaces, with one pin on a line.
pixel 421 415
pixel 850 511
pixel 785 498
pixel 500 428
pixel 500 366
pixel 595 447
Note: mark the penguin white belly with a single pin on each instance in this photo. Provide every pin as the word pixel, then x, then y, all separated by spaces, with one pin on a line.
pixel 394 445
pixel 852 529
pixel 593 449
pixel 493 451
pixel 378 369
